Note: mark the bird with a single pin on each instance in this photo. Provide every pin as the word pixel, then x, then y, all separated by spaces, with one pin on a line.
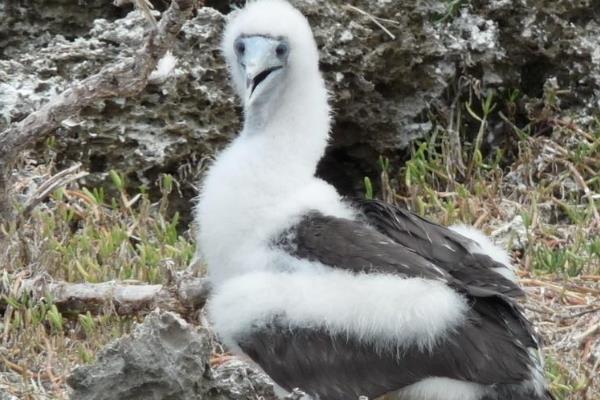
pixel 343 298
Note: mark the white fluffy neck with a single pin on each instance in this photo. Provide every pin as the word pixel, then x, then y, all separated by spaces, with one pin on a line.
pixel 264 180
pixel 292 126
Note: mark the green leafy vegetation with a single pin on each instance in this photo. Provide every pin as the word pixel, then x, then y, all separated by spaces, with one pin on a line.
pixel 561 383
pixel 79 235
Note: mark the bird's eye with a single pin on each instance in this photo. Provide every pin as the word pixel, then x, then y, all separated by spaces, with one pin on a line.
pixel 240 47
pixel 281 50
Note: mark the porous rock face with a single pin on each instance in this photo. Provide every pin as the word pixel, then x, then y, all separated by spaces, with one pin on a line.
pixel 165 358
pixel 390 66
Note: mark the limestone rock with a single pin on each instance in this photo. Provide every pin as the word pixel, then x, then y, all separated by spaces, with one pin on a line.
pixel 166 358
pixel 393 68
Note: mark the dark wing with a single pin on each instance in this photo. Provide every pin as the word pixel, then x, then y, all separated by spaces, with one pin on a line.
pixel 444 247
pixel 342 368
pixel 358 247
pixel 490 348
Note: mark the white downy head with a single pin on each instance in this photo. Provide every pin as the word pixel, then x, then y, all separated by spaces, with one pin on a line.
pixel 274 66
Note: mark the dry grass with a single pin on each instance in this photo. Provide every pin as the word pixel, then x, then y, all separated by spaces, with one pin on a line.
pixel 542 205
pixel 76 235
pixel 538 196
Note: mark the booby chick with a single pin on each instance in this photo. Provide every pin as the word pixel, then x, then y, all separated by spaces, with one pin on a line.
pixel 343 299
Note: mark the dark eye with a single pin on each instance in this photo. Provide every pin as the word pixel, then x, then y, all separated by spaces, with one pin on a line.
pixel 281 49
pixel 240 47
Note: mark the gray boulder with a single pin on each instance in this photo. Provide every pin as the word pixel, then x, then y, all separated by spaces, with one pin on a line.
pixel 166 358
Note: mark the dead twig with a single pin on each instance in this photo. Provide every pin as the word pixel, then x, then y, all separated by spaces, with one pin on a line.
pixel 572 295
pixel 124 78
pixel 56 181
pixel 124 298
pixel 591 331
pixel 375 20
pixel 586 190
pixel 144 6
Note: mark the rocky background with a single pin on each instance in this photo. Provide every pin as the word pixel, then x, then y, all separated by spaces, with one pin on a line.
pixel 390 65
pixel 400 73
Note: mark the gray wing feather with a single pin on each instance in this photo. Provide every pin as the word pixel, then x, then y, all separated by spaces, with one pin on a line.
pixel 490 348
pixel 447 249
pixel 336 367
